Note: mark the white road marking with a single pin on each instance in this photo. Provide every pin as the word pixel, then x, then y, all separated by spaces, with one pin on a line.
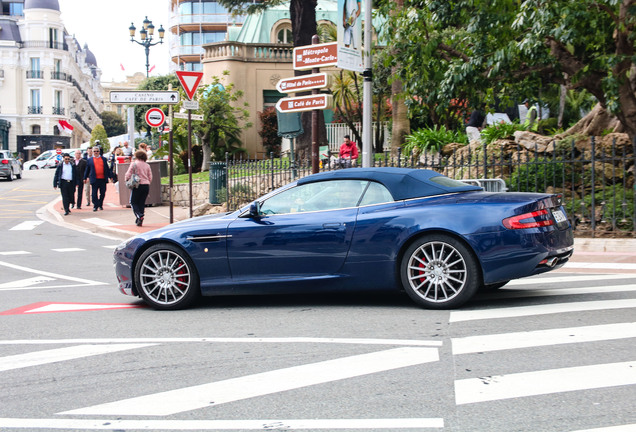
pixel 620 428
pixel 293 340
pixel 100 222
pixel 62 354
pixel 506 341
pixel 525 384
pixel 505 293
pixel 70 307
pixel 600 266
pixel 50 274
pixel 25 282
pixel 541 309
pixel 540 280
pixel 15 253
pixel 217 425
pixel 26 226
pixel 68 250
pixel 205 395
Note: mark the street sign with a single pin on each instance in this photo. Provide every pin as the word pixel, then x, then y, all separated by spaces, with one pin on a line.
pixel 315 56
pixel 198 117
pixel 130 97
pixel 191 105
pixel 58 151
pixel 155 117
pixel 189 81
pixel 304 82
pixel 304 103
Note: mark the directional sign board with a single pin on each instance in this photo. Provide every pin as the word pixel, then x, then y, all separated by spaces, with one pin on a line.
pixel 304 103
pixel 130 97
pixel 304 82
pixel 189 81
pixel 155 117
pixel 315 56
pixel 198 117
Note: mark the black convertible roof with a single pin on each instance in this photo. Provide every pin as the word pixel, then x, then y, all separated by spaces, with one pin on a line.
pixel 403 183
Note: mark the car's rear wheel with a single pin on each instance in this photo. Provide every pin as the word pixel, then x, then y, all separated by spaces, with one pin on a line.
pixel 166 278
pixel 10 177
pixel 439 272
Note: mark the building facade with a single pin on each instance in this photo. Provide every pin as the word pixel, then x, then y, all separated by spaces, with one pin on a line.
pixel 47 80
pixel 194 23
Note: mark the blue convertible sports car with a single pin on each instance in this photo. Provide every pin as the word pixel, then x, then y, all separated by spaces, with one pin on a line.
pixel 438 239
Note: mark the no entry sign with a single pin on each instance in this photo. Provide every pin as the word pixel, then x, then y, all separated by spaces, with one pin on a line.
pixel 155 117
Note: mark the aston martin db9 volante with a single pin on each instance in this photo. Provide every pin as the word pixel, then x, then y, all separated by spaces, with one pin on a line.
pixel 359 229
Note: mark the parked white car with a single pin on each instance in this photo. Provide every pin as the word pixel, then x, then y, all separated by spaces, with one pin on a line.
pixel 9 166
pixel 48 159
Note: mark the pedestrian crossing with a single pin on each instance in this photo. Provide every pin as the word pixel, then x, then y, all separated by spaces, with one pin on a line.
pixel 475 337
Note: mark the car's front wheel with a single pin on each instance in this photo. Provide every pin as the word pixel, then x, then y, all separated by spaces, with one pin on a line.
pixel 166 278
pixel 439 272
pixel 33 167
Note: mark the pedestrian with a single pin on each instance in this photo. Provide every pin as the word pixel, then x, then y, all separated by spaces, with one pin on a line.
pixel 113 163
pixel 532 117
pixel 87 186
pixel 139 194
pixel 143 146
pixel 127 150
pixel 65 179
pixel 98 172
pixel 348 154
pixel 474 125
pixel 80 169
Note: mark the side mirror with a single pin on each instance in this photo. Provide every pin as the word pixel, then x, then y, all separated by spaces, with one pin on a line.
pixel 255 209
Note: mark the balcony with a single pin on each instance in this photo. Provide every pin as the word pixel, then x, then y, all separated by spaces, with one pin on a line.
pixel 34 110
pixel 35 74
pixel 45 44
pixel 251 52
pixel 59 76
pixel 58 111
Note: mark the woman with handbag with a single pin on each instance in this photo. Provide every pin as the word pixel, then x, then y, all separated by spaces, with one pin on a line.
pixel 138 179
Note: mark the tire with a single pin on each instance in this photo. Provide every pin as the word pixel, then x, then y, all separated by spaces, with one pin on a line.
pixel 10 178
pixel 439 272
pixel 33 167
pixel 166 278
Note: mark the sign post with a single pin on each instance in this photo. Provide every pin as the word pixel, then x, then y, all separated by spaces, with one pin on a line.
pixel 190 82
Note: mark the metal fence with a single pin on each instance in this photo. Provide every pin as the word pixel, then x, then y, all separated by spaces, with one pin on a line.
pixel 596 181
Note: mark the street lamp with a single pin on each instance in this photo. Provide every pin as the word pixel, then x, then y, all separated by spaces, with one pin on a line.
pixel 146 34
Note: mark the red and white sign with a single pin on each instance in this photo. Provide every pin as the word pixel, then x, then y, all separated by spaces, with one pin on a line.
pixel 304 103
pixel 314 56
pixel 58 151
pixel 189 81
pixel 155 117
pixel 303 82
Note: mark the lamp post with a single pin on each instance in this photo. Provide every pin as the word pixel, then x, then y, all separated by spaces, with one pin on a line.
pixel 146 34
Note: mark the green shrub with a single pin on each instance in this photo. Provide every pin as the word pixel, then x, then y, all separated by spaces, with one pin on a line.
pixel 500 131
pixel 431 140
pixel 527 178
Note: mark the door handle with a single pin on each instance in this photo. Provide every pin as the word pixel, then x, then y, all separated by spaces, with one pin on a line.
pixel 331 225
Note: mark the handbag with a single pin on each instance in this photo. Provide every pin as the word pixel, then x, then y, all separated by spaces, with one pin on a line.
pixel 133 181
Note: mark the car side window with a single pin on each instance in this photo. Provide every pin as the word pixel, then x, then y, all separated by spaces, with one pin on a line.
pixel 376 194
pixel 318 196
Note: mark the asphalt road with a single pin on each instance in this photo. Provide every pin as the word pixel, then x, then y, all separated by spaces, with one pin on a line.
pixel 550 353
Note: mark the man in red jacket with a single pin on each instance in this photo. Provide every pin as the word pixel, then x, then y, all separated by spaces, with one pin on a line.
pixel 98 172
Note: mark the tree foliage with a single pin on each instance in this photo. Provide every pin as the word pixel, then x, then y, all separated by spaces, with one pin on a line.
pixel 500 51
pixel 113 123
pixel 99 137
pixel 269 131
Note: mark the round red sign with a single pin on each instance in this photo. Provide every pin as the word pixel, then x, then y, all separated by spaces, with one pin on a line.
pixel 58 150
pixel 155 117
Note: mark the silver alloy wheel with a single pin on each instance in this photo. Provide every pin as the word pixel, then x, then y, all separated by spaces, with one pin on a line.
pixel 165 277
pixel 436 272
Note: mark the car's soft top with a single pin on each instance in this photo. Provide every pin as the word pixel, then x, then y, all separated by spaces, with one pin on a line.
pixel 403 183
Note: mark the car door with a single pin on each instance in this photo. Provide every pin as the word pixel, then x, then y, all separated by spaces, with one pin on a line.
pixel 304 231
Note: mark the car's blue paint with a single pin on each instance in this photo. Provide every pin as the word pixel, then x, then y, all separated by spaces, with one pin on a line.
pixel 357 248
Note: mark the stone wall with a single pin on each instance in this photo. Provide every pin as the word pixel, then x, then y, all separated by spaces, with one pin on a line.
pixel 181 194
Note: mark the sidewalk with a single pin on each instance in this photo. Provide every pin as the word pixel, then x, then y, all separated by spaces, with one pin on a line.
pixel 118 221
pixel 115 220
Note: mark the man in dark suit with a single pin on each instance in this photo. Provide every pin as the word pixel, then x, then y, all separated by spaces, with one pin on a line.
pixel 65 179
pixel 80 168
pixel 98 172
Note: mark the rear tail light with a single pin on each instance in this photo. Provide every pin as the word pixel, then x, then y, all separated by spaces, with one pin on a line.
pixel 535 219
pixel 5 161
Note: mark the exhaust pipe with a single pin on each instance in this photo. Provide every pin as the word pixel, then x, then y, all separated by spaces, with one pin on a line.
pixel 552 262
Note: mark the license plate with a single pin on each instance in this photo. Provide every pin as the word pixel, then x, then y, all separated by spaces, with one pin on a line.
pixel 559 216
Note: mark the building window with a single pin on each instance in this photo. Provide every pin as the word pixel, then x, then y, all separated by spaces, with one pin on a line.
pixel 53 39
pixel 35 130
pixel 35 107
pixel 284 36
